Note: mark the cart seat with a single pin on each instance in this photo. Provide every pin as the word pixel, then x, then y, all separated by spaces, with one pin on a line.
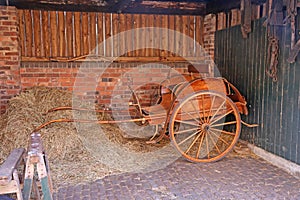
pixel 173 94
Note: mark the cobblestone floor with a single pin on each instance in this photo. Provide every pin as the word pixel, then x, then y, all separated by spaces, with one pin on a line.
pixel 230 178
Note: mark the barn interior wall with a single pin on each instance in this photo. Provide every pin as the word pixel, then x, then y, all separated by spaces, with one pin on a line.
pixel 51 47
pixel 43 47
pixel 65 36
pixel 273 105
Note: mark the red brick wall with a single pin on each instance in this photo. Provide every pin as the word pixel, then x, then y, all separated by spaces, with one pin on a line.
pixel 9 55
pixel 98 83
pixel 209 33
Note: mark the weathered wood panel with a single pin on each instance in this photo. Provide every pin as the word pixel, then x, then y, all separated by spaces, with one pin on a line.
pixel 59 35
pixel 69 34
pixel 273 105
pixel 22 32
pixel 53 31
pixel 85 33
pixel 100 34
pixel 108 34
pixel 77 30
pixel 45 34
pixel 93 33
pixel 28 32
pixel 37 32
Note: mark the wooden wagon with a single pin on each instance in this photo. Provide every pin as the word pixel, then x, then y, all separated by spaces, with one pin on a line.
pixel 201 116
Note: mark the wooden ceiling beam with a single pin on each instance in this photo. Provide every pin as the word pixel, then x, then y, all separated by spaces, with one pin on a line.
pixel 58 6
pixel 216 6
pixel 170 7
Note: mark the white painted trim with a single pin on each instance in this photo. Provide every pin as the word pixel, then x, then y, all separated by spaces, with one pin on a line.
pixel 280 162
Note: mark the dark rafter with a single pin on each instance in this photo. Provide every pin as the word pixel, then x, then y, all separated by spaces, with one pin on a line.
pixel 170 7
pixel 216 6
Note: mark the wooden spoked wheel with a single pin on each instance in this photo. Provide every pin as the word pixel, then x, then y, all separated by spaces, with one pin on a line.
pixel 210 126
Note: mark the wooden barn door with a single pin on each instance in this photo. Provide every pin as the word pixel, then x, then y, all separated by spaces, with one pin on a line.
pixel 273 105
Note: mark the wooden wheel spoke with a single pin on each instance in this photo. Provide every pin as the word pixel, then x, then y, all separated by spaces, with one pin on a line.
pixel 220 117
pixel 203 116
pixel 210 109
pixel 192 117
pixel 219 137
pixel 215 143
pixel 185 131
pixel 194 141
pixel 222 131
pixel 203 110
pixel 200 144
pixel 198 113
pixel 217 110
pixel 192 135
pixel 187 122
pixel 223 124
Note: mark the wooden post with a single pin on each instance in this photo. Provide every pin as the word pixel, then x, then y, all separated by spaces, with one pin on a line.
pixel 92 23
pixel 150 19
pixel 85 33
pixel 171 37
pixel 61 34
pixel 164 36
pixel 37 32
pixel 156 35
pixel 100 32
pixel 129 40
pixel 69 29
pixel 28 31
pixel 53 27
pixel 185 45
pixel 77 27
pixel 122 28
pixel 136 36
pixel 178 37
pixel 22 31
pixel 143 34
pixel 191 49
pixel 116 41
pixel 108 34
pixel 45 33
pixel 198 34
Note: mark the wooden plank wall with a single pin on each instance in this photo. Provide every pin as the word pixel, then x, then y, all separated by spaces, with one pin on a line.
pixel 56 34
pixel 273 105
pixel 233 17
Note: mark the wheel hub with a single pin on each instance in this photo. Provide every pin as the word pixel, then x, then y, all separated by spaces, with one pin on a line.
pixel 205 127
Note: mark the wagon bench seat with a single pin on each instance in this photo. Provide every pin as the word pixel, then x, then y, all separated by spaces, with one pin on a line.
pixel 177 92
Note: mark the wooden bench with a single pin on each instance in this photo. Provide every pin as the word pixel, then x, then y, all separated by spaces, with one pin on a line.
pixel 9 179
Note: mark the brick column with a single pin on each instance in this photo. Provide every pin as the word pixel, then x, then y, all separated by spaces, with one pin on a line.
pixel 9 55
pixel 209 33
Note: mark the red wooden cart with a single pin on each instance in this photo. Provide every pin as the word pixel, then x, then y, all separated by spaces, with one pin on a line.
pixel 201 116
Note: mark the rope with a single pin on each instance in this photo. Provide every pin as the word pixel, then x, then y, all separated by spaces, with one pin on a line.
pixel 273 51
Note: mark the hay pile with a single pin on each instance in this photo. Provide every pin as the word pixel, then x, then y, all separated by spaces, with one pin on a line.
pixel 70 161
